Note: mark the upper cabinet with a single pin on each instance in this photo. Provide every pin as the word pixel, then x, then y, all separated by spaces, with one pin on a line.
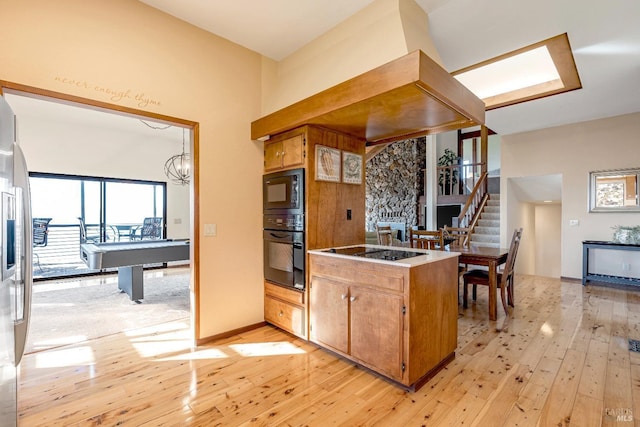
pixel 284 153
pixel 408 97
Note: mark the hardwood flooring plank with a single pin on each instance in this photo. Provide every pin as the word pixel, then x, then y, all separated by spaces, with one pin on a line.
pixel 564 360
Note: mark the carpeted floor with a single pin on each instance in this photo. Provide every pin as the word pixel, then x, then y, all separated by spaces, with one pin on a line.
pixel 74 310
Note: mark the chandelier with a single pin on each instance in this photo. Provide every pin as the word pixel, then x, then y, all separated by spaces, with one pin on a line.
pixel 178 167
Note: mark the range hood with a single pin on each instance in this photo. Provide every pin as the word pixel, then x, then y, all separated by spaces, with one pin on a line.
pixel 408 97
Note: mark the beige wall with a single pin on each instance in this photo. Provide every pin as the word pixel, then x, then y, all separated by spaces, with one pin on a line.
pixel 572 151
pixel 381 32
pixel 124 52
pixel 548 254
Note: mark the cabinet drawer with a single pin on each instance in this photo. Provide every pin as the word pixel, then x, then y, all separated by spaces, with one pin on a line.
pixel 362 272
pixel 284 294
pixel 286 316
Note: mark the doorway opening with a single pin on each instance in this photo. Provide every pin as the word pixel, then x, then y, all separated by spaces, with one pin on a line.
pixel 134 154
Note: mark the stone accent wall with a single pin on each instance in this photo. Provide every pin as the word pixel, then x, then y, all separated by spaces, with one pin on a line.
pixel 394 183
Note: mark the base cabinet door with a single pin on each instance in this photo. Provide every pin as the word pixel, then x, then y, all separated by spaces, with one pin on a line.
pixel 329 314
pixel 376 330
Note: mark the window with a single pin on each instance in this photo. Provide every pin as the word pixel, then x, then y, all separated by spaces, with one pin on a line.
pixel 615 190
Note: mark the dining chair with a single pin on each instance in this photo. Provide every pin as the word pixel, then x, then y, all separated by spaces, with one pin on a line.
pixel 385 235
pixel 505 278
pixel 461 234
pixel 425 239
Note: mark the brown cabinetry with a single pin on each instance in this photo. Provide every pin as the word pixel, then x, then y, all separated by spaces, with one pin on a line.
pixel 284 153
pixel 285 308
pixel 398 320
pixel 358 321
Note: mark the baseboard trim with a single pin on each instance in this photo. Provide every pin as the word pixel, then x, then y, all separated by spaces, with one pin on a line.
pixel 571 279
pixel 230 333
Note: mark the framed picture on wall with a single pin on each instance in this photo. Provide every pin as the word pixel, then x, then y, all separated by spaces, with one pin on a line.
pixel 327 164
pixel 351 168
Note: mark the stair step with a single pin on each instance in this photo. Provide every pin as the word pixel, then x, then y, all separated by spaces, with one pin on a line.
pixel 489 223
pixel 485 238
pixel 492 209
pixel 490 215
pixel 485 244
pixel 486 230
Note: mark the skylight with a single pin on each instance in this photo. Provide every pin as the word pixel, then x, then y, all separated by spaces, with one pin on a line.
pixel 542 69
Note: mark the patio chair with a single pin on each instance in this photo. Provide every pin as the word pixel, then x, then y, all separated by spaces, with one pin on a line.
pixel 40 236
pixel 151 228
pixel 85 236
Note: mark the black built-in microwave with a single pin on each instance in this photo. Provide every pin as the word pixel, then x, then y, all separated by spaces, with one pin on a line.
pixel 283 192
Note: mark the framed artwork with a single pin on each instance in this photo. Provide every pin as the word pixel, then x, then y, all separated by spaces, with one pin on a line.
pixel 351 168
pixel 327 164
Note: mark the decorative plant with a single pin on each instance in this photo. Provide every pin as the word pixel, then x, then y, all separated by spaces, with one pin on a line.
pixel 448 177
pixel 626 234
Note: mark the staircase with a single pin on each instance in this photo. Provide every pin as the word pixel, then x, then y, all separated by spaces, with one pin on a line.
pixel 487 230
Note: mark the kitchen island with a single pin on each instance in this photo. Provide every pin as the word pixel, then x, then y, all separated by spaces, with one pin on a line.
pixel 393 310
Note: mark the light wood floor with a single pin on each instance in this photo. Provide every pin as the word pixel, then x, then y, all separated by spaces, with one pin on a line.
pixel 563 361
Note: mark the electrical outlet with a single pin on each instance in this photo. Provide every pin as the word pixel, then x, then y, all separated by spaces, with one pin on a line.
pixel 210 230
pixel 626 266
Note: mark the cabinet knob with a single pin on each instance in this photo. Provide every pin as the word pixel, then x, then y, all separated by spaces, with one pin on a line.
pixel 281 314
pixel 352 299
pixel 277 154
pixel 343 296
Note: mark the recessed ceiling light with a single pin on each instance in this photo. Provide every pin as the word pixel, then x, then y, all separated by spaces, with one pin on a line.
pixel 541 69
pixel 547 201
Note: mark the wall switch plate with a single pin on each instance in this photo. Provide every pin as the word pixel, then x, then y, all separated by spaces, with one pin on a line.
pixel 210 230
pixel 177 220
pixel 574 223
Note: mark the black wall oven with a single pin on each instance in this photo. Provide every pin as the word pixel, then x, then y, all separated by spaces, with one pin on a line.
pixel 283 224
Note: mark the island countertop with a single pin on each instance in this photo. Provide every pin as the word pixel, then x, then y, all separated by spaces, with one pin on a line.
pixel 425 257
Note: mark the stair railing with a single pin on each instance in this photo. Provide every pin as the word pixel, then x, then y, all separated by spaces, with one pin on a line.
pixel 475 202
pixel 457 179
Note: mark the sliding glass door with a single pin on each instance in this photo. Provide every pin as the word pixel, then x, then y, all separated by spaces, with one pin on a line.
pixel 111 210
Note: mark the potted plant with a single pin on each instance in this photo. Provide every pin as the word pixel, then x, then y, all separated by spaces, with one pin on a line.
pixel 447 178
pixel 626 234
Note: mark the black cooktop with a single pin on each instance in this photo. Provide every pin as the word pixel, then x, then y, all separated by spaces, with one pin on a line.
pixel 375 253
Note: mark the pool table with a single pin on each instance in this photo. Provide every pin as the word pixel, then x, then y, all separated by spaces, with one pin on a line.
pixel 129 257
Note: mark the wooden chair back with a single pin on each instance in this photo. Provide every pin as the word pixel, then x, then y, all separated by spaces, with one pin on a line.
pixel 509 265
pixel 461 235
pixel 385 235
pixel 425 239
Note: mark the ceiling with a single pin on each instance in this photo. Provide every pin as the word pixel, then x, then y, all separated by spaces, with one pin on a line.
pixel 605 38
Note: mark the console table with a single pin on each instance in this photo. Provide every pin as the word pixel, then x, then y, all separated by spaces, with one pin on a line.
pixel 620 279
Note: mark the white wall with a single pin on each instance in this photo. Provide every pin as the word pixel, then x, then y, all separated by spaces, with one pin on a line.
pixel 93 150
pixel 571 151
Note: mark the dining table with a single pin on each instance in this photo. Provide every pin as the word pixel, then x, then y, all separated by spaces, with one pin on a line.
pixel 491 258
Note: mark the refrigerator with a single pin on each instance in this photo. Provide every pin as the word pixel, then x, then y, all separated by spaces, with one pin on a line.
pixel 16 271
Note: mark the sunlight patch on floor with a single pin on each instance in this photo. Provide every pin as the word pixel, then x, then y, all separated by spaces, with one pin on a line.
pixel 76 356
pixel 266 349
pixel 204 354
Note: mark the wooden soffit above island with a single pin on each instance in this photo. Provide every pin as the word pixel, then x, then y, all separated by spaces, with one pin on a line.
pixel 408 97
